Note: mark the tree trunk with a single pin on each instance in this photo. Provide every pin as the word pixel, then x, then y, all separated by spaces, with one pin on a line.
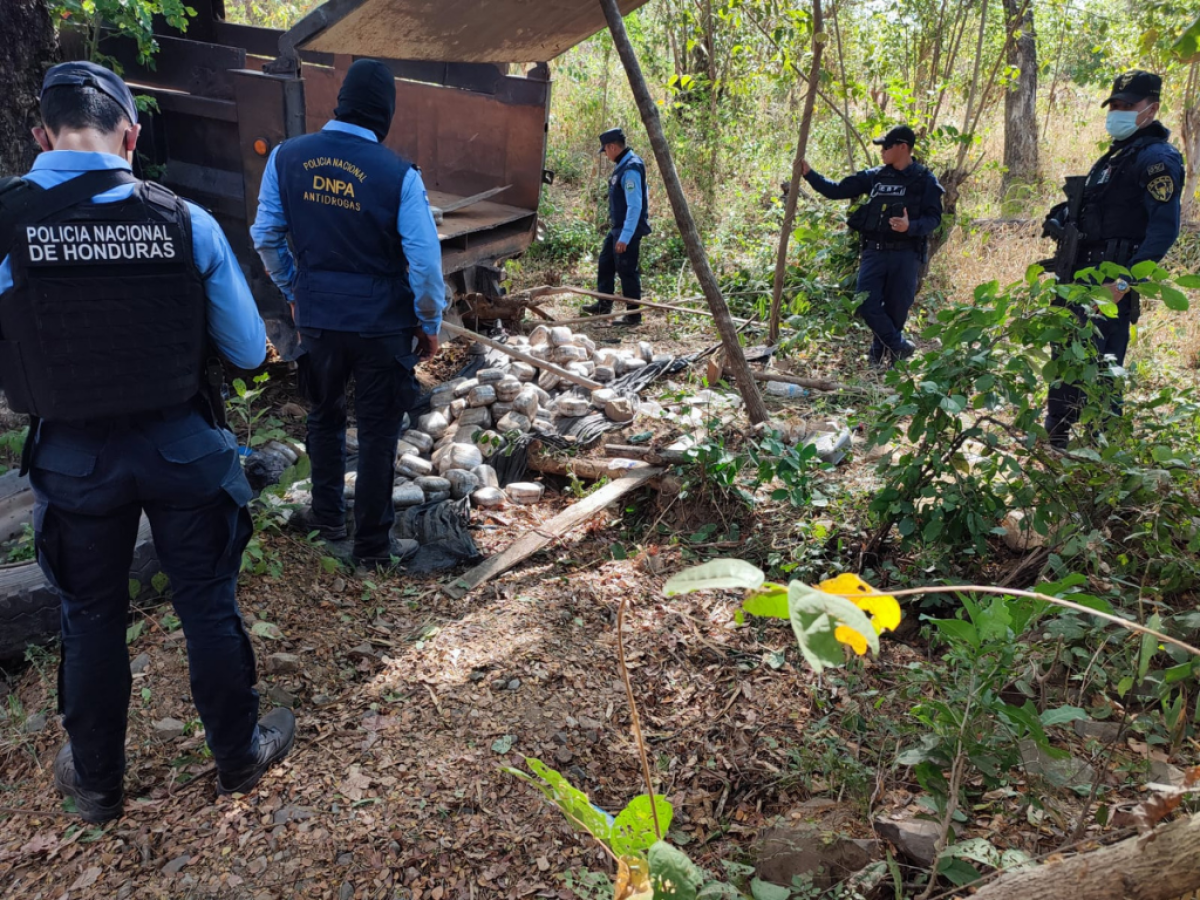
pixel 29 44
pixel 1190 133
pixel 736 359
pixel 1020 102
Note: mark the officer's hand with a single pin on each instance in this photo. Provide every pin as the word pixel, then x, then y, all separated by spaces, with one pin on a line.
pixel 900 223
pixel 1116 292
pixel 805 168
pixel 427 345
pixel 621 246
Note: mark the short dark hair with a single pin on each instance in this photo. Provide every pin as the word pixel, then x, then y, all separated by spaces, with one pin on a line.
pixel 81 107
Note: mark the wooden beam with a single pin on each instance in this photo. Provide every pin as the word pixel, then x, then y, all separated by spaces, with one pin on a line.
pixel 563 289
pixel 523 357
pixel 558 527
pixel 755 408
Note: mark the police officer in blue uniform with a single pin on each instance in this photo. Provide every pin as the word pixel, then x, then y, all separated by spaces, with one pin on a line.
pixel 111 291
pixel 629 222
pixel 903 209
pixel 1125 211
pixel 366 289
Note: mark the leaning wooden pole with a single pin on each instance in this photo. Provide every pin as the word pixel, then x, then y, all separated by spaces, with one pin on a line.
pixel 789 209
pixel 735 359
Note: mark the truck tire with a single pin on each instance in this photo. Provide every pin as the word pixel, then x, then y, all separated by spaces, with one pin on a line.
pixel 29 606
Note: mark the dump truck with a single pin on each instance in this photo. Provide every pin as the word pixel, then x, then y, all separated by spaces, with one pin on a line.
pixel 472 110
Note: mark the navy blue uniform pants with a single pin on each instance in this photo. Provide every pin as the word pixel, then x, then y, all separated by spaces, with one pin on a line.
pixel 626 266
pixel 889 279
pixel 92 483
pixel 1065 401
pixel 384 390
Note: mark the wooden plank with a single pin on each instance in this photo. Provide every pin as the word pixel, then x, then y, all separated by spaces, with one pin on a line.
pixel 523 357
pixel 558 527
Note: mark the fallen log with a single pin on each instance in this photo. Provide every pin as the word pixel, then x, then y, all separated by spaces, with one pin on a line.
pixel 1164 866
pixel 522 356
pixel 557 528
pixel 547 291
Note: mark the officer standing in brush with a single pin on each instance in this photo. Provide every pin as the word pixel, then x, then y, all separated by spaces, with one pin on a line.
pixel 110 291
pixel 629 222
pixel 904 208
pixel 1125 211
pixel 367 295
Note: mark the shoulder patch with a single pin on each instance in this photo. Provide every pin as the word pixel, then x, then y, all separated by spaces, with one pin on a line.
pixel 1155 169
pixel 1162 188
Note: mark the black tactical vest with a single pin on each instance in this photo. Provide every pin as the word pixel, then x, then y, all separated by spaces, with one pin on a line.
pixel 1113 219
pixel 892 192
pixel 106 315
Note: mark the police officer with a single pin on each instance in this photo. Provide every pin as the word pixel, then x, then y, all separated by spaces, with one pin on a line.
pixel 1126 211
pixel 110 291
pixel 365 281
pixel 629 222
pixel 903 209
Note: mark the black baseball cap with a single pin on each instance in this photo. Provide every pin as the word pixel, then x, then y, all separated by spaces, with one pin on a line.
pixel 1135 85
pixel 89 74
pixel 612 136
pixel 901 134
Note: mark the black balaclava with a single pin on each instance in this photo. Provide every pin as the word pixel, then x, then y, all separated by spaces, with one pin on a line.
pixel 368 97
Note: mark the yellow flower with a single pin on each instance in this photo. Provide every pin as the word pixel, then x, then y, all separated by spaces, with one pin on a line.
pixel 883 610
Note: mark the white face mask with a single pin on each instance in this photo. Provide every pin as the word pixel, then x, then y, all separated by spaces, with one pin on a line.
pixel 1120 124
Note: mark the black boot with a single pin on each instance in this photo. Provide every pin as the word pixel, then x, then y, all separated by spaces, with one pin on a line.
pixel 304 522
pixel 633 318
pixel 599 308
pixel 276 733
pixel 93 806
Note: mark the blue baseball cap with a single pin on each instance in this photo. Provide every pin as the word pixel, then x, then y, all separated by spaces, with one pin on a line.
pixel 89 74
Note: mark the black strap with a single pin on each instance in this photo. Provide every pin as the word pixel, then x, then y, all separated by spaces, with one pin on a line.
pixel 44 203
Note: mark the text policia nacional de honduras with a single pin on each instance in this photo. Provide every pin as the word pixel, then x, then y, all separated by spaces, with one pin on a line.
pixel 50 244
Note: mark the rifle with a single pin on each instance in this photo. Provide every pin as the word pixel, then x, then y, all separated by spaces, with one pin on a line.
pixel 1066 258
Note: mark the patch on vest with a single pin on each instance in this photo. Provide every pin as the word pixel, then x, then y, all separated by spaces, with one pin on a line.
pixel 888 190
pixel 135 242
pixel 1155 169
pixel 1161 188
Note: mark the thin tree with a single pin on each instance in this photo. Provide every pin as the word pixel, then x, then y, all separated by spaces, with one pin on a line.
pixel 1020 101
pixel 29 45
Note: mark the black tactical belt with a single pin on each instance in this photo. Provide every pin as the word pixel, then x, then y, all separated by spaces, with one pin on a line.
pixel 890 245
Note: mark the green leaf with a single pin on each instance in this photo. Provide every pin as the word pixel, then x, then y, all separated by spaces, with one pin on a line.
pixel 764 890
pixel 571 802
pixel 1063 715
pixel 633 830
pixel 1174 299
pixel 266 630
pixel 1149 646
pixel 1191 282
pixel 771 603
pixel 134 631
pixel 672 875
pixel 957 871
pixel 815 615
pixel 958 630
pixel 503 744
pixel 719 890
pixel 718 574
pixel 160 582
pixel 135 588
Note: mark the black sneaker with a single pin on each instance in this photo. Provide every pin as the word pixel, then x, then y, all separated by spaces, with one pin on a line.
pixel 631 319
pixel 599 308
pixel 907 349
pixel 96 807
pixel 276 734
pixel 400 550
pixel 304 522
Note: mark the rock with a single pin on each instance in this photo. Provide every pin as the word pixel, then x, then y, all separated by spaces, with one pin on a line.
pixel 523 371
pixel 346 891
pixel 36 723
pixel 139 664
pixel 283 663
pixel 488 498
pixel 176 865
pixel 525 492
pixel 1070 772
pixel 487 476
pixel 168 729
pixel 620 409
pixel 1165 773
pixel 433 484
pixel 407 495
pixel 827 858
pixel 281 696
pixel 563 755
pixel 514 421
pixel 481 395
pixel 914 838
pixel 433 424
pixel 490 376
pixel 514 684
pixel 291 814
pixel 1104 732
pixel 462 483
pixel 478 417
pixel 507 390
pixel 466 387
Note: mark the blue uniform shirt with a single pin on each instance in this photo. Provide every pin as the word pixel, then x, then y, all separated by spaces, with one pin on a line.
pixel 631 184
pixel 414 222
pixel 1159 170
pixel 233 320
pixel 861 183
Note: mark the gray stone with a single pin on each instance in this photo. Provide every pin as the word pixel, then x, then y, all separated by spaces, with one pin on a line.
pixel 914 838
pixel 1104 732
pixel 175 865
pixel 514 685
pixel 826 857
pixel 346 891
pixel 283 663
pixel 168 729
pixel 281 696
pixel 140 663
pixel 292 814
pixel 35 723
pixel 1069 772
pixel 1165 773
